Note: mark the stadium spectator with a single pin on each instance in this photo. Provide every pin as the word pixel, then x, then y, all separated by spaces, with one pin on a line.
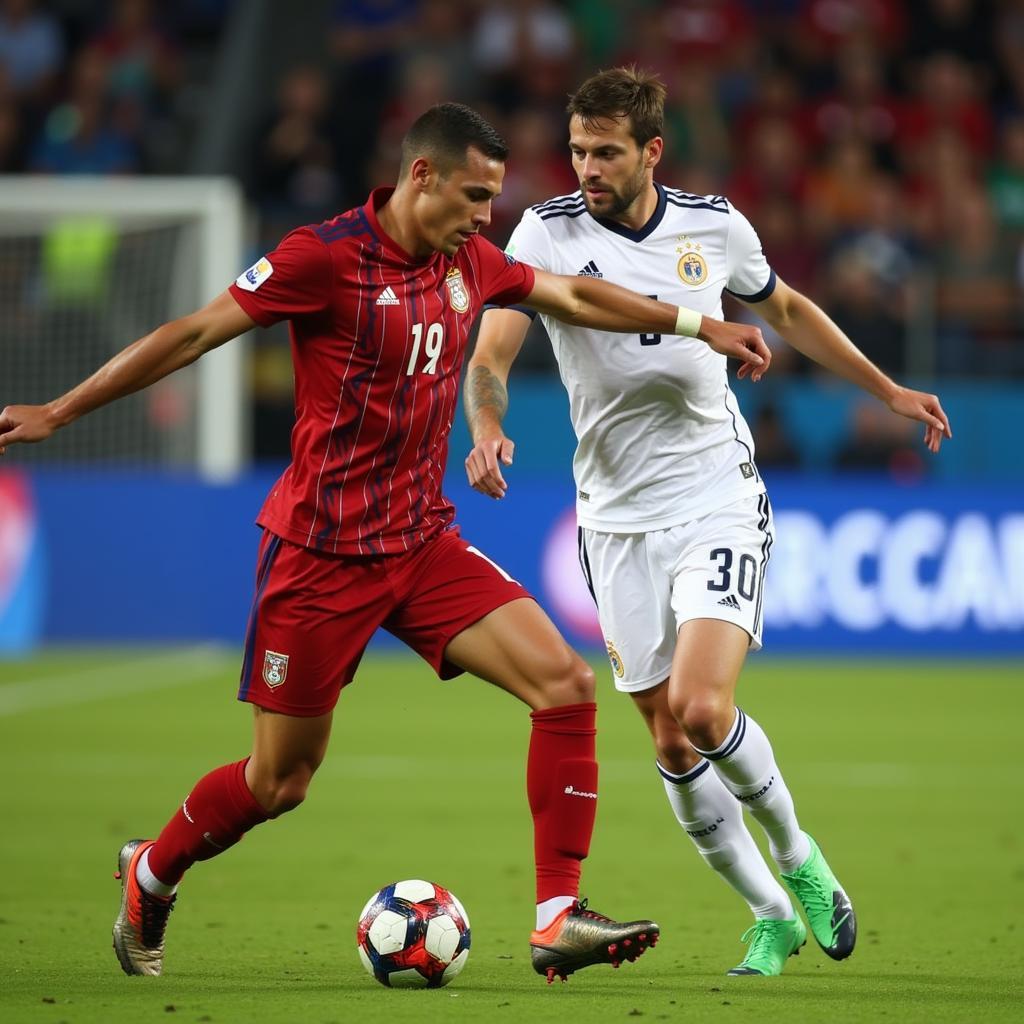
pixel 977 291
pixel 1005 177
pixel 31 48
pixel 879 440
pixel 82 134
pixel 522 49
pixel 292 172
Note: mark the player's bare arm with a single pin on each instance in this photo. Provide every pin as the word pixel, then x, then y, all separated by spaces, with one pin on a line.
pixel 171 346
pixel 502 332
pixel 809 330
pixel 586 302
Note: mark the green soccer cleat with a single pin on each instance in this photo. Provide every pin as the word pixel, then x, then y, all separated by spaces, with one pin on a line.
pixel 771 944
pixel 828 908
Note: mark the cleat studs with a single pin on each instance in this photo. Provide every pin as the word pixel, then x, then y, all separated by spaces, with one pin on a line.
pixel 613 948
pixel 551 975
pixel 643 936
pixel 615 964
pixel 117 874
pixel 627 942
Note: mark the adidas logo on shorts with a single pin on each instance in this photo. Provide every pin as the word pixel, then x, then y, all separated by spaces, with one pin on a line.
pixel 730 602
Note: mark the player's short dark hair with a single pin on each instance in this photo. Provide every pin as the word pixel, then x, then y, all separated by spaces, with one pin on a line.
pixel 620 93
pixel 444 134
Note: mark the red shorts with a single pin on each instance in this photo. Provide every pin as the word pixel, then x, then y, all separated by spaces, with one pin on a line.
pixel 314 613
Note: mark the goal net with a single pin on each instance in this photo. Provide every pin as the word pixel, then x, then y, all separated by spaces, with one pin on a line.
pixel 88 265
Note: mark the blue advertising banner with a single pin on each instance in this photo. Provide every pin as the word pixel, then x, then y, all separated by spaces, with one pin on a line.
pixel 858 565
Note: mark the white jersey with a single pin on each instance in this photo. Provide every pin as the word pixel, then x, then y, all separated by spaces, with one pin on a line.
pixel 660 436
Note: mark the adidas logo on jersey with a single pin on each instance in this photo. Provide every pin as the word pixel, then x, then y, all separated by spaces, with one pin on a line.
pixel 730 602
pixel 590 270
pixel 387 298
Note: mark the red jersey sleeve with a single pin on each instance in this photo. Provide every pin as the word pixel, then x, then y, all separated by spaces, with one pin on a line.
pixel 505 281
pixel 292 280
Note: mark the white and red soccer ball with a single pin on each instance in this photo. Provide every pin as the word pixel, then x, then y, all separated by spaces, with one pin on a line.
pixel 413 934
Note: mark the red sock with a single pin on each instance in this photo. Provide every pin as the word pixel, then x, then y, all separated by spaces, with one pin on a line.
pixel 561 782
pixel 215 815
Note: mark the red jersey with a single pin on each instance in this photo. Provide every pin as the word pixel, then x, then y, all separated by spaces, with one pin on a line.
pixel 378 341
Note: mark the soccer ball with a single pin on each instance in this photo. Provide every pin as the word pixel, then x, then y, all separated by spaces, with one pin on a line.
pixel 413 934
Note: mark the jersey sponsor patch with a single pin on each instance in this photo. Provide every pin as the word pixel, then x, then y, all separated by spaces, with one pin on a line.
pixel 259 272
pixel 747 470
pixel 457 294
pixel 275 669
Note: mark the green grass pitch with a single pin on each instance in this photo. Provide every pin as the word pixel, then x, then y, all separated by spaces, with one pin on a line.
pixel 908 773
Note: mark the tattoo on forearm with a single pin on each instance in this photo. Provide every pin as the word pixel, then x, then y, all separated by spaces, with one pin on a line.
pixel 485 391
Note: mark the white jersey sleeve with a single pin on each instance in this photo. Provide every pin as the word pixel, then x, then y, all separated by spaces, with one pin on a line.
pixel 531 243
pixel 748 275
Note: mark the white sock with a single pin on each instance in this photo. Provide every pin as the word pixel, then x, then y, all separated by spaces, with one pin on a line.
pixel 713 819
pixel 145 877
pixel 746 765
pixel 550 909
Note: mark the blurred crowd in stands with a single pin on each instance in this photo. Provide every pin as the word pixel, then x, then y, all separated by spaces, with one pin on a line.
pixel 876 145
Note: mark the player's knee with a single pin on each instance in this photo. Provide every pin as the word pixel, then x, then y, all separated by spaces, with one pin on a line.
pixel 570 682
pixel 284 792
pixel 705 721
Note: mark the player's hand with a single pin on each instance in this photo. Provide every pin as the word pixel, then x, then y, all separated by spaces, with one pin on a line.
pixel 24 424
pixel 918 405
pixel 484 462
pixel 738 341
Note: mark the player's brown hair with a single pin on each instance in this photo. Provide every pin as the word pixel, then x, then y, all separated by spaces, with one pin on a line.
pixel 445 132
pixel 620 93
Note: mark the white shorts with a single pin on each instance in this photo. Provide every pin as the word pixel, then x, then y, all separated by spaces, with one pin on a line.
pixel 647 585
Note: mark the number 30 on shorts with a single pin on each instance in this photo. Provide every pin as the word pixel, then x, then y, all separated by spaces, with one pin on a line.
pixel 746 575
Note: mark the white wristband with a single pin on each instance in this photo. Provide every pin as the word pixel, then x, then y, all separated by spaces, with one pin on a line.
pixel 688 322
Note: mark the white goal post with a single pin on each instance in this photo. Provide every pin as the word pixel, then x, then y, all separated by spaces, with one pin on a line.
pixel 198 226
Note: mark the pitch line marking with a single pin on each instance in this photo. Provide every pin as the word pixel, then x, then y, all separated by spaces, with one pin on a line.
pixel 139 675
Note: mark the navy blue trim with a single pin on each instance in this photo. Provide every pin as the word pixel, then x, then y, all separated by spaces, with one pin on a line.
pixel 585 562
pixel 732 741
pixel 638 236
pixel 715 202
pixel 694 773
pixel 697 206
pixel 558 202
pixel 757 296
pixel 572 213
pixel 765 507
pixel 262 576
pixel 736 431
pixel 531 313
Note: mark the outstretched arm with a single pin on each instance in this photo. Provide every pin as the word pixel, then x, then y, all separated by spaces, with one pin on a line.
pixel 586 302
pixel 501 336
pixel 154 356
pixel 807 328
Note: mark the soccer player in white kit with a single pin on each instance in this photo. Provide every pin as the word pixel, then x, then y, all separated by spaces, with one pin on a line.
pixel 675 527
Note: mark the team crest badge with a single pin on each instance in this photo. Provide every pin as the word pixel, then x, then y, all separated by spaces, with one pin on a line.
pixel 613 657
pixel 457 294
pixel 275 669
pixel 692 268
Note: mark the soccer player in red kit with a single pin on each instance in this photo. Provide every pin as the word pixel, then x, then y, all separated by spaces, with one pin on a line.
pixel 357 534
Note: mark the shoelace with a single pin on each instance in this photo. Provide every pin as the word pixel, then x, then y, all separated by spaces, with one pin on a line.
pixel 763 933
pixel 816 895
pixel 154 912
pixel 581 911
